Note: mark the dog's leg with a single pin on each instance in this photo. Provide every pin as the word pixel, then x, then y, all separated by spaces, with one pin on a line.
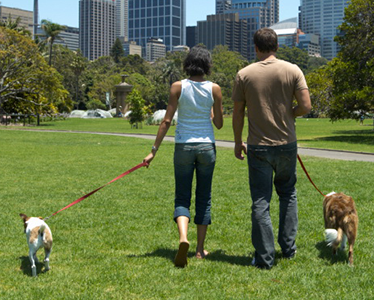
pixel 344 242
pixel 350 255
pixel 336 243
pixel 46 259
pixel 32 261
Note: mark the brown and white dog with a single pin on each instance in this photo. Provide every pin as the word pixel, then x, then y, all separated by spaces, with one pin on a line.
pixel 341 222
pixel 38 234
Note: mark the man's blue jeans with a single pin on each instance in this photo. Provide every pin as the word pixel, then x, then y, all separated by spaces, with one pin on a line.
pixel 263 163
pixel 189 157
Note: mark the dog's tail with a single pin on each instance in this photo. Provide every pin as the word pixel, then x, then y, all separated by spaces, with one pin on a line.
pixel 41 229
pixel 331 236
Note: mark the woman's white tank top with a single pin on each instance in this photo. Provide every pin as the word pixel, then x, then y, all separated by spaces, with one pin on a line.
pixel 194 113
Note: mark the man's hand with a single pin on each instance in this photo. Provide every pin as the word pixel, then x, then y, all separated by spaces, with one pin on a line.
pixel 239 150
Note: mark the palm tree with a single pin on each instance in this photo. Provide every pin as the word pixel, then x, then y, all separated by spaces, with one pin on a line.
pixel 51 30
pixel 14 25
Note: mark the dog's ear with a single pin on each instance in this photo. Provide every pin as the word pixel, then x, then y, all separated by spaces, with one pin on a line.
pixel 41 218
pixel 24 217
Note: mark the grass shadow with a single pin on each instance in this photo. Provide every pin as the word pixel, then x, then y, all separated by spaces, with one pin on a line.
pixel 26 266
pixel 218 255
pixel 325 253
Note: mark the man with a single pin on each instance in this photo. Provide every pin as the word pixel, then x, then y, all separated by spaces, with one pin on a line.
pixel 268 88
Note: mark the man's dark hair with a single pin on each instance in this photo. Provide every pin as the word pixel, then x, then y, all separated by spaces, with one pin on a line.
pixel 198 61
pixel 266 40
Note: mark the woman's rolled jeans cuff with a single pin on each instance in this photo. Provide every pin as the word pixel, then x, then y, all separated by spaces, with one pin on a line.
pixel 189 157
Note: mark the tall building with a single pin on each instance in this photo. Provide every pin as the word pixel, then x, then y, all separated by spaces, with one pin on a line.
pixel 223 29
pixel 191 36
pixel 155 49
pixel 258 14
pixel 122 13
pixel 222 6
pixel 323 17
pixel 290 36
pixel 69 37
pixel 160 19
pixel 96 27
pixel 25 16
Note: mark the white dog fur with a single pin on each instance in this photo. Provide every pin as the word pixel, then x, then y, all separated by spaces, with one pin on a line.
pixel 38 234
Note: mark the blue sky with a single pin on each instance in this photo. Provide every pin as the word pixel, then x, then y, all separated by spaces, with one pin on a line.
pixel 65 12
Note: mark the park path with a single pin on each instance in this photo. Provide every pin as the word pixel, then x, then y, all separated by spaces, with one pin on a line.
pixel 324 153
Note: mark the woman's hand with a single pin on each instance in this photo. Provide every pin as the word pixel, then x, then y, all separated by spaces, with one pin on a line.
pixel 148 159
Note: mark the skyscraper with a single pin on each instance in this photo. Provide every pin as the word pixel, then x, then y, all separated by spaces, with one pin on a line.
pixel 97 27
pixel 160 19
pixel 223 29
pixel 258 14
pixel 222 6
pixel 122 13
pixel 322 17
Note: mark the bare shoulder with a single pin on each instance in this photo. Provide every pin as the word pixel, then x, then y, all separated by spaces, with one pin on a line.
pixel 215 87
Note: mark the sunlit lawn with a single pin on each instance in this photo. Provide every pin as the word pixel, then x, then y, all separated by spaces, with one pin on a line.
pixel 120 242
pixel 316 133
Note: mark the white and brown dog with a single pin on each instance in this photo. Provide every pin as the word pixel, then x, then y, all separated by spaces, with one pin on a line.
pixel 341 222
pixel 38 234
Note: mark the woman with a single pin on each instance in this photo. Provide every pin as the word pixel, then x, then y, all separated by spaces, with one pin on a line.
pixel 199 102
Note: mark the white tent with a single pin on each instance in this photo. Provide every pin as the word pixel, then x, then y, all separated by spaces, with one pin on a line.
pixel 159 115
pixel 97 113
pixel 76 114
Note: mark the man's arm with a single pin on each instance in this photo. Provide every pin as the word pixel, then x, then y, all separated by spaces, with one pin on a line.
pixel 304 104
pixel 237 125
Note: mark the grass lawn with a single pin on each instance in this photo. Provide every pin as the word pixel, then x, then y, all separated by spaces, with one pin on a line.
pixel 120 242
pixel 315 133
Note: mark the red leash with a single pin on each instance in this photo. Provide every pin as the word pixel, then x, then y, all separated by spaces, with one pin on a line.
pixel 143 164
pixel 306 173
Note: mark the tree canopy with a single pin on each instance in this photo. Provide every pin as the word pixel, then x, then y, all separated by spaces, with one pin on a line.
pixel 27 83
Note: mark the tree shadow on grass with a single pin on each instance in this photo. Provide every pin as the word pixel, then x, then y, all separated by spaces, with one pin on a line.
pixel 325 253
pixel 347 136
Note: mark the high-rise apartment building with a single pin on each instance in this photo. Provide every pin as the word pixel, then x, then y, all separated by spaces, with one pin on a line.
pixel 222 6
pixel 155 49
pixel 223 29
pixel 258 14
pixel 25 16
pixel 122 13
pixel 159 19
pixel 97 27
pixel 323 17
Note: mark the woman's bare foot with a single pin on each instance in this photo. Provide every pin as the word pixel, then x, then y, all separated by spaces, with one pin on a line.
pixel 201 254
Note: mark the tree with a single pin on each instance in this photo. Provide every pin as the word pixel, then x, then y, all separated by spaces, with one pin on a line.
pixel 27 83
pixel 52 30
pixel 354 68
pixel 136 103
pixel 117 51
pixel 294 55
pixel 15 25
pixel 226 64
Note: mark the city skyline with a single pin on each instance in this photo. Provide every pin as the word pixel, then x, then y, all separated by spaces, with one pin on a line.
pixel 64 13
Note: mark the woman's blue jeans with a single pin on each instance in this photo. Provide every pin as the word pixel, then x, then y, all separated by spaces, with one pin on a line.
pixel 263 163
pixel 189 157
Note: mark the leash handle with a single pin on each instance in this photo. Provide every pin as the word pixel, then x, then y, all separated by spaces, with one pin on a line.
pixel 306 173
pixel 143 164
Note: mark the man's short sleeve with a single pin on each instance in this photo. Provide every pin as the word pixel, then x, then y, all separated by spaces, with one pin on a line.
pixel 300 80
pixel 238 90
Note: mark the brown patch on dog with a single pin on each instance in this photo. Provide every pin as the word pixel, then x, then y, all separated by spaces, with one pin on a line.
pixel 34 234
pixel 47 241
pixel 340 213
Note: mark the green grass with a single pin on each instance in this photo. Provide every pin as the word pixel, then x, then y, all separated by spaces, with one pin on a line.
pixel 315 133
pixel 120 242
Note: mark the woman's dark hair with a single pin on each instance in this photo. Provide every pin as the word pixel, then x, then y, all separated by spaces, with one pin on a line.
pixel 198 61
pixel 266 40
